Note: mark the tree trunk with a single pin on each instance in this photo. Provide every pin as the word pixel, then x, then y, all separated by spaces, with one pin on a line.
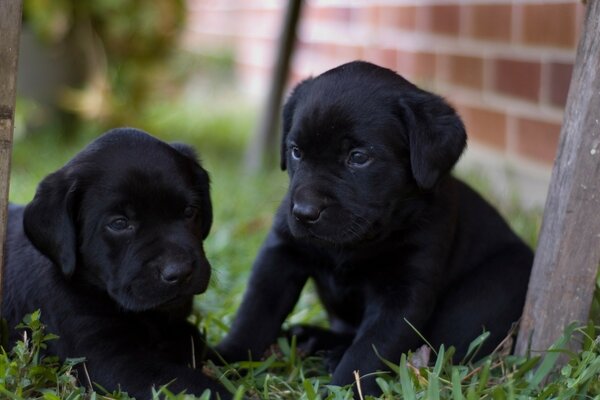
pixel 10 27
pixel 568 254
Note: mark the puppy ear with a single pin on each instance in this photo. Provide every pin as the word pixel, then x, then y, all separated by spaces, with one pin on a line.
pixel 185 149
pixel 204 183
pixel 288 116
pixel 206 214
pixel 49 220
pixel 436 137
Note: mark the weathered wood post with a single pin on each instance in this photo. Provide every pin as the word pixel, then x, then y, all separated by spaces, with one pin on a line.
pixel 261 151
pixel 10 32
pixel 568 254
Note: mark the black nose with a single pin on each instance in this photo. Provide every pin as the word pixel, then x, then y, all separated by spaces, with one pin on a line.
pixel 176 273
pixel 307 213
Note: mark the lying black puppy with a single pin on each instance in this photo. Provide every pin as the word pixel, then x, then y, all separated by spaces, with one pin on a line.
pixel 110 250
pixel 373 216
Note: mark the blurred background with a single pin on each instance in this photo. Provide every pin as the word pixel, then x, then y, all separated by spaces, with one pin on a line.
pixel 504 64
pixel 199 70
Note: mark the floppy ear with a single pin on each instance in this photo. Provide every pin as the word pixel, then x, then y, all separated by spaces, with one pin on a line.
pixel 206 214
pixel 436 137
pixel 49 220
pixel 204 183
pixel 186 150
pixel 288 116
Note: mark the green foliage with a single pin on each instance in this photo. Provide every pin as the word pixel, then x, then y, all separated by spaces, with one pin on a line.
pixel 118 48
pixel 25 373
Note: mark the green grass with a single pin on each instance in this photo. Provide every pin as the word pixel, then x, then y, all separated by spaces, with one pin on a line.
pixel 244 205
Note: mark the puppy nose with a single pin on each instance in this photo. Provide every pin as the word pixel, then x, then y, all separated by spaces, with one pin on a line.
pixel 176 273
pixel 307 213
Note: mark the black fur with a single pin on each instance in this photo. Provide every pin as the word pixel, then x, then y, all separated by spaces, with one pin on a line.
pixel 110 250
pixel 373 216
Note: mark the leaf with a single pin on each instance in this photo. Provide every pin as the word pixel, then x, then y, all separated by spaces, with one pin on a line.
pixel 551 358
pixel 408 391
pixel 309 390
pixel 456 385
pixel 475 345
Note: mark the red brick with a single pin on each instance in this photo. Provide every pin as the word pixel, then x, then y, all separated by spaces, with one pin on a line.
pixel 336 14
pixel 465 71
pixel 549 24
pixel 441 19
pixel 401 17
pixel 489 21
pixel 537 140
pixel 579 18
pixel 484 126
pixel 417 65
pixel 517 78
pixel 370 15
pixel 385 57
pixel 559 79
pixel 348 53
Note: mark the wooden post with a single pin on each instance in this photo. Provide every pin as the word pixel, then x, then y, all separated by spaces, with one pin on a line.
pixel 568 254
pixel 10 29
pixel 261 151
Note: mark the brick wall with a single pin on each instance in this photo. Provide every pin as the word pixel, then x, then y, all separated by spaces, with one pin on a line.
pixel 505 65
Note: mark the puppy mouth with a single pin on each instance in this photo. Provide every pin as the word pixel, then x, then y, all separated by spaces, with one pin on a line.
pixel 354 232
pixel 175 302
pixel 138 299
pixel 135 304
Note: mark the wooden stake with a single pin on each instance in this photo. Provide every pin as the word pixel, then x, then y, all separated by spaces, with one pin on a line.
pixel 568 254
pixel 262 151
pixel 10 28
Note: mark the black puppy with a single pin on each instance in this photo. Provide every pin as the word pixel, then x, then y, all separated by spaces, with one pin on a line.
pixel 110 250
pixel 373 216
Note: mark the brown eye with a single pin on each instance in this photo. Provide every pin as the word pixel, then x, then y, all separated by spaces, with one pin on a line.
pixel 296 152
pixel 190 212
pixel 358 158
pixel 119 224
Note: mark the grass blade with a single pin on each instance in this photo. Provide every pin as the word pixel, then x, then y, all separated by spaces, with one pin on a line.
pixel 456 385
pixel 408 391
pixel 551 358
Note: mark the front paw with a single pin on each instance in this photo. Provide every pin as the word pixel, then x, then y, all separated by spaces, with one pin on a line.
pixel 224 354
pixel 309 339
pixel 333 357
pixel 313 339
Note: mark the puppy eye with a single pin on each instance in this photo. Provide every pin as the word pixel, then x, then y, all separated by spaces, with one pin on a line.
pixel 190 212
pixel 358 158
pixel 119 224
pixel 296 152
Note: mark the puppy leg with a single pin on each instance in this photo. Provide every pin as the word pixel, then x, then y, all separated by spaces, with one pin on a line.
pixel 314 339
pixel 385 330
pixel 135 363
pixel 491 298
pixel 276 281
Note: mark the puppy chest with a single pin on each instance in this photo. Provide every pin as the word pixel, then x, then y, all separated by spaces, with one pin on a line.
pixel 342 298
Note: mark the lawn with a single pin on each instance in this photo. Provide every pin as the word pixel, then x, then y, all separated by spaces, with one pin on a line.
pixel 243 206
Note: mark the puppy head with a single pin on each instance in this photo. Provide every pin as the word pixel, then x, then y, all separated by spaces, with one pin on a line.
pixel 127 215
pixel 359 142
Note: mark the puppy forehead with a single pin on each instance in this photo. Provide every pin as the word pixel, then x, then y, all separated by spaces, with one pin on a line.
pixel 142 180
pixel 343 121
pixel 140 193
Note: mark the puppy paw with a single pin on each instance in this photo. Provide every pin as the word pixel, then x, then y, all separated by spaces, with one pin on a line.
pixel 312 339
pixel 333 357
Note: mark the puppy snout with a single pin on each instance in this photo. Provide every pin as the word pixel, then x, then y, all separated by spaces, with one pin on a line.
pixel 306 212
pixel 176 273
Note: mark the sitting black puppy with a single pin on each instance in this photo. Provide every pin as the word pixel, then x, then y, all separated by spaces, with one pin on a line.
pixel 373 216
pixel 110 250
